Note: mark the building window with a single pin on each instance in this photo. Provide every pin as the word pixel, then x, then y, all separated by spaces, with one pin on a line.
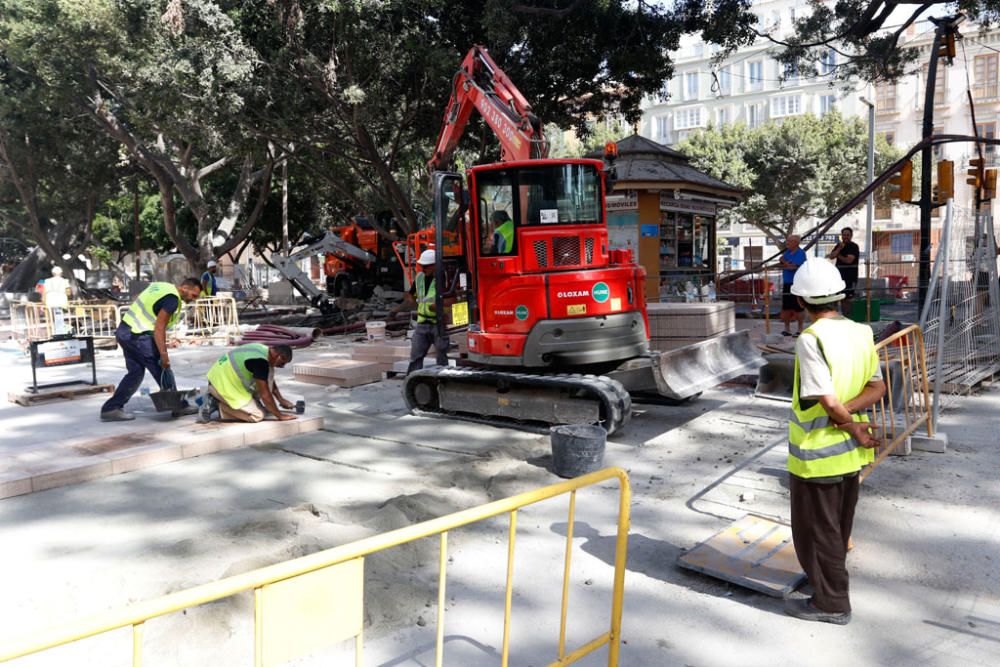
pixel 755 115
pixel 661 127
pixel 786 105
pixel 883 211
pixel 987 131
pixel 685 119
pixel 984 77
pixel 940 86
pixel 902 244
pixel 691 86
pixel 828 62
pixel 790 73
pixel 722 116
pixel 885 98
pixel 755 74
pixel 725 81
pixel 827 103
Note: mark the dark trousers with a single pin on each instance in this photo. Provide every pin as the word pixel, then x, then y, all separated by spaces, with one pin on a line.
pixel 141 355
pixel 425 334
pixel 822 516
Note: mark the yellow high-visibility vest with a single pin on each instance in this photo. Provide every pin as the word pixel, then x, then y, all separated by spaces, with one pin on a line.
pixel 816 448
pixel 140 317
pixel 230 377
pixel 425 299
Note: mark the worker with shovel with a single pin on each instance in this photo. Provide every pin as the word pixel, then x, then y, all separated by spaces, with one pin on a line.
pixel 837 378
pixel 142 336
pixel 241 378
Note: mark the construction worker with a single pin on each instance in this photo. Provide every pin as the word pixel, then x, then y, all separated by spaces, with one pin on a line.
pixel 791 259
pixel 423 292
pixel 208 286
pixel 503 233
pixel 837 378
pixel 142 336
pixel 241 378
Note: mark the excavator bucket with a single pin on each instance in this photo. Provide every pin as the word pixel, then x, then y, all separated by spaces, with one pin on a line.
pixel 689 370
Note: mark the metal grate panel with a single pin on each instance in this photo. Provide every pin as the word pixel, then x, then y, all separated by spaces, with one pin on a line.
pixel 540 253
pixel 565 251
pixel 588 250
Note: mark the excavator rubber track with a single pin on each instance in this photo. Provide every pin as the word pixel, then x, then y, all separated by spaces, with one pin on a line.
pixel 517 399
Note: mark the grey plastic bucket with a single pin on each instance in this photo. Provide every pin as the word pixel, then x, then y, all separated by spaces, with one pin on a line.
pixel 577 449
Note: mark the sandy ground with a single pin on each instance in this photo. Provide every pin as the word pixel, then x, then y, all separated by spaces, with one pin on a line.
pixel 924 582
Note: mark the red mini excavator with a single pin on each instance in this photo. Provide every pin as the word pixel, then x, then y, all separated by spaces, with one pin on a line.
pixel 556 321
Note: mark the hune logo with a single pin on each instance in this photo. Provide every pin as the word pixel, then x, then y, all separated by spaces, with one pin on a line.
pixel 601 292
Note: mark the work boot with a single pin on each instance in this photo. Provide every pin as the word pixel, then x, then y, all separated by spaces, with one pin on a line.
pixel 804 609
pixel 208 406
pixel 118 415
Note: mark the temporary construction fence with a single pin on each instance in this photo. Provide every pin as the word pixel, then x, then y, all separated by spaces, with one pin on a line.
pixel 315 602
pixel 35 321
pixel 961 314
pixel 906 405
pixel 208 318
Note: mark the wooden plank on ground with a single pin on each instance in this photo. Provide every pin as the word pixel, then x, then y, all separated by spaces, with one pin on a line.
pixel 28 398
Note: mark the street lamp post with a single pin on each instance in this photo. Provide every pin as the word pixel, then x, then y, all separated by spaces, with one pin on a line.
pixel 870 210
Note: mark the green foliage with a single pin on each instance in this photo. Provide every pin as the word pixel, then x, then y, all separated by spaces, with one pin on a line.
pixel 803 168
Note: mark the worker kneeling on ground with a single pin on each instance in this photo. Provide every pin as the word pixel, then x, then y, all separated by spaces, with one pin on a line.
pixel 837 378
pixel 241 378
pixel 425 334
pixel 142 336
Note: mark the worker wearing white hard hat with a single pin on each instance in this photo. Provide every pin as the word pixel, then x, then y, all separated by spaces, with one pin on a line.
pixel 56 289
pixel 837 378
pixel 208 284
pixel 423 295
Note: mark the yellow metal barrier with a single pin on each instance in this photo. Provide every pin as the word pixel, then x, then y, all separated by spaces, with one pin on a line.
pixel 208 318
pixel 35 321
pixel 296 614
pixel 906 405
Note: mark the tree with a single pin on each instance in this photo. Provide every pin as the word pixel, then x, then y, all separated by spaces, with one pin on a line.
pixel 796 170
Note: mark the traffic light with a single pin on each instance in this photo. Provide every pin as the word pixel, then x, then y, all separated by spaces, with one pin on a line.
pixel 975 178
pixel 945 181
pixel 901 185
pixel 947 47
pixel 990 185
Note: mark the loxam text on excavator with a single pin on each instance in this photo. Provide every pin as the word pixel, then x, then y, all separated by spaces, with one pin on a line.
pixel 555 320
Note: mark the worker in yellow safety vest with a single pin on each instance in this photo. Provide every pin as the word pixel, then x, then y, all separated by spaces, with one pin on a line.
pixel 241 377
pixel 142 336
pixel 837 378
pixel 423 293
pixel 503 233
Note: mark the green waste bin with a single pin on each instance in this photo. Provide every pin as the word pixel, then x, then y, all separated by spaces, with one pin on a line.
pixel 858 307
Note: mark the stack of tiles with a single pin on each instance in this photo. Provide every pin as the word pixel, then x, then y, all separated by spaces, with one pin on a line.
pixel 383 353
pixel 674 325
pixel 341 372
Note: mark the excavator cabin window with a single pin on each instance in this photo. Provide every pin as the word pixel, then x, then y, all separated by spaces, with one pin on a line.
pixel 547 194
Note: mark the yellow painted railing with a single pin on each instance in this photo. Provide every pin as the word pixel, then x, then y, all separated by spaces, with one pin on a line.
pixel 906 405
pixel 208 318
pixel 314 602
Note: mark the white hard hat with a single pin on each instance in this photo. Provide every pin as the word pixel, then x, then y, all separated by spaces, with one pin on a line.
pixel 818 282
pixel 56 270
pixel 212 263
pixel 427 257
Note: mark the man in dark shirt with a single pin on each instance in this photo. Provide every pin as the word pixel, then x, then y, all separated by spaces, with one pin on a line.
pixel 846 254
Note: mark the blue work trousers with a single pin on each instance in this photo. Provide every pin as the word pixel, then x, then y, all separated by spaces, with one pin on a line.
pixel 141 355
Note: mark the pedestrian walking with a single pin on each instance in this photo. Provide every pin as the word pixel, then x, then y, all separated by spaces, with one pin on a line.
pixel 845 254
pixel 423 292
pixel 791 259
pixel 142 336
pixel 837 378
pixel 242 380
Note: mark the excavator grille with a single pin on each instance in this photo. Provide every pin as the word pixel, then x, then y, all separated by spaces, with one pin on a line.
pixel 588 250
pixel 541 253
pixel 565 251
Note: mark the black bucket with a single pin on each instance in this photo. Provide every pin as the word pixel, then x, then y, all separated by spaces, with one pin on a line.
pixel 577 449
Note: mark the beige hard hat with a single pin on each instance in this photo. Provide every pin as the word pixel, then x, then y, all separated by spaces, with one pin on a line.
pixel 818 281
pixel 427 257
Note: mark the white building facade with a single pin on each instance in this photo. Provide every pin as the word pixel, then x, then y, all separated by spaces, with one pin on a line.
pixel 751 87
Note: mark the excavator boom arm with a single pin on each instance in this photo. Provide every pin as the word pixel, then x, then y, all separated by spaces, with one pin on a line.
pixel 480 84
